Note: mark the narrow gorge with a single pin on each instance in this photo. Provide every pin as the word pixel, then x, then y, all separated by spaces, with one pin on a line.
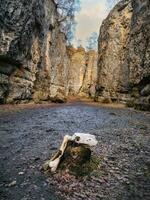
pixel 36 65
pixel 33 57
pixel 74 104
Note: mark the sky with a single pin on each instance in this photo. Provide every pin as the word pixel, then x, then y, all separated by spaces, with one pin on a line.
pixel 90 17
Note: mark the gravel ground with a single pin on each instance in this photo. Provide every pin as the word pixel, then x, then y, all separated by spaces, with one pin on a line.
pixel 29 136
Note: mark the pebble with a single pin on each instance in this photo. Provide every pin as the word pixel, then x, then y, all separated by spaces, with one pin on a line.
pixel 13 183
pixel 20 173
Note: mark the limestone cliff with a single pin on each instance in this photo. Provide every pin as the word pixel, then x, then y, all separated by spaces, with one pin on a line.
pixel 138 54
pixel 33 58
pixel 113 38
pixel 124 54
pixel 82 72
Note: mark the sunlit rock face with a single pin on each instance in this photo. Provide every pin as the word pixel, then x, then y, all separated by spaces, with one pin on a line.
pixel 124 54
pixel 82 72
pixel 138 54
pixel 114 34
pixel 33 58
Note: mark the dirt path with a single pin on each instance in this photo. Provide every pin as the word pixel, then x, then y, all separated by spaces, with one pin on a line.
pixel 29 135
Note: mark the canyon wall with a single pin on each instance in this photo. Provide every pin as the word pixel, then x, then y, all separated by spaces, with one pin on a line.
pixel 35 64
pixel 124 54
pixel 82 72
pixel 33 57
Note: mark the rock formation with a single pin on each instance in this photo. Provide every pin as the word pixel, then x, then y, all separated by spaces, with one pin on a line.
pixel 82 72
pixel 124 54
pixel 138 54
pixel 113 37
pixel 34 65
pixel 33 58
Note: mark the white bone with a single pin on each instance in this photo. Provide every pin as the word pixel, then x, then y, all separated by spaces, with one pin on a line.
pixel 84 138
pixel 53 164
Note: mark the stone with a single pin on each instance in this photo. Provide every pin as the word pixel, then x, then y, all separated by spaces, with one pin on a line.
pixel 142 103
pixel 57 94
pixel 4 85
pixel 13 183
pixel 146 90
pixel 74 157
pixel 20 173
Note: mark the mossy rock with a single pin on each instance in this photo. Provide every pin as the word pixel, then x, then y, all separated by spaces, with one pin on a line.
pixel 40 96
pixel 87 168
pixel 130 103
pixel 58 99
pixel 78 160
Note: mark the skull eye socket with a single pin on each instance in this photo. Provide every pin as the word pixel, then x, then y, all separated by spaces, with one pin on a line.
pixel 77 138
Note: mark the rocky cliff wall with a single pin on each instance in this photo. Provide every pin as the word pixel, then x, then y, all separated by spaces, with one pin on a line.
pixel 124 54
pixel 138 55
pixel 33 58
pixel 113 38
pixel 82 72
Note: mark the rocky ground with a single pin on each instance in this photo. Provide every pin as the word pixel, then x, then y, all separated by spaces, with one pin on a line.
pixel 29 135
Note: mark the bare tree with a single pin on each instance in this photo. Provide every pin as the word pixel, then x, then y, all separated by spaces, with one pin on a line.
pixel 67 10
pixel 111 3
pixel 92 41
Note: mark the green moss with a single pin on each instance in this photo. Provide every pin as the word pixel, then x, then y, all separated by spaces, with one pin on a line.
pixel 78 160
pixel 84 169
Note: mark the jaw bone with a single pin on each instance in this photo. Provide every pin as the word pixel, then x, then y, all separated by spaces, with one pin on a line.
pixel 79 138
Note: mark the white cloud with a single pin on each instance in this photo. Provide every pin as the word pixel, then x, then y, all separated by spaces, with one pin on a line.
pixel 89 19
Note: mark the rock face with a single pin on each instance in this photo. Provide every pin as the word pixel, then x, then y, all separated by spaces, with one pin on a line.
pixel 34 64
pixel 138 57
pixel 33 58
pixel 113 38
pixel 124 54
pixel 83 72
